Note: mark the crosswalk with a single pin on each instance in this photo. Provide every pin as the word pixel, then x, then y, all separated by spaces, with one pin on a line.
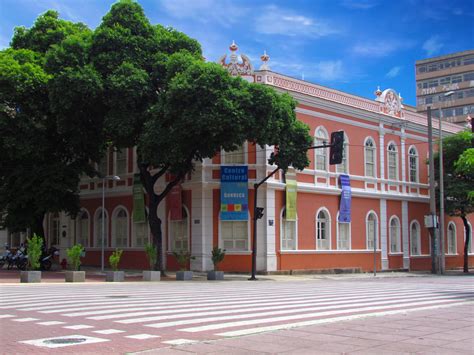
pixel 199 310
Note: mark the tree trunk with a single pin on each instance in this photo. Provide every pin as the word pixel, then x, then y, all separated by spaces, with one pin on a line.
pixel 155 227
pixel 37 227
pixel 467 237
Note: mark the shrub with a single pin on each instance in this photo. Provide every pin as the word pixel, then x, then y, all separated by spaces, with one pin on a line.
pixel 183 258
pixel 34 252
pixel 218 255
pixel 114 259
pixel 151 254
pixel 74 256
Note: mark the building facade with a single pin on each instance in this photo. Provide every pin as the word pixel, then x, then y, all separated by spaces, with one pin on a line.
pixel 386 147
pixel 435 77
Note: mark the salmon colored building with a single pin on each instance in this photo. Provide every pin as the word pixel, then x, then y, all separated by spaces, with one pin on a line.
pixel 386 147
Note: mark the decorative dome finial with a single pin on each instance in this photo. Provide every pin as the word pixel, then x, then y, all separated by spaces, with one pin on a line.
pixel 378 92
pixel 233 47
pixel 265 58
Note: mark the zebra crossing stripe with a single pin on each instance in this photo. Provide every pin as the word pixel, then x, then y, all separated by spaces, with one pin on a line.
pixel 338 302
pixel 249 331
pixel 246 323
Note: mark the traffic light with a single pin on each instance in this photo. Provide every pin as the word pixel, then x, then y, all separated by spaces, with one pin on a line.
pixel 337 147
pixel 259 212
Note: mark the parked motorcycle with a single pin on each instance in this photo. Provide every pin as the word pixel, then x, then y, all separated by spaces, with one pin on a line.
pixel 46 260
pixel 18 259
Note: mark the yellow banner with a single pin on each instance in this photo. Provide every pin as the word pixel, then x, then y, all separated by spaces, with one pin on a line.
pixel 291 187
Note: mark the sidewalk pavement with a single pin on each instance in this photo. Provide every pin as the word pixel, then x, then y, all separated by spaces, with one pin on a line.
pixel 438 331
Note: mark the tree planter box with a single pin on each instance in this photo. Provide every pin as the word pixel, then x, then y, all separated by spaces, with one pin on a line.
pixel 75 276
pixel 184 275
pixel 215 275
pixel 30 276
pixel 114 276
pixel 149 275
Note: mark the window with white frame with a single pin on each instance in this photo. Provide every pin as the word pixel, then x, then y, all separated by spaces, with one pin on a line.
pixel 179 233
pixel 234 235
pixel 121 161
pixel 413 164
pixel 470 249
pixel 321 155
pixel 371 230
pixel 54 229
pixel 394 235
pixel 103 165
pixel 415 241
pixel 141 233
pixel 98 228
pixel 343 236
pixel 83 229
pixel 369 150
pixel 120 229
pixel 235 156
pixel 323 230
pixel 343 168
pixel 392 162
pixel 451 238
pixel 288 233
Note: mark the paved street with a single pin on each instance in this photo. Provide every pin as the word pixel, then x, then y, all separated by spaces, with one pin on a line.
pixel 409 314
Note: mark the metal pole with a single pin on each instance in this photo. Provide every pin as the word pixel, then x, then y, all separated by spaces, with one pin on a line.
pixel 434 249
pixel 441 197
pixel 254 242
pixel 103 224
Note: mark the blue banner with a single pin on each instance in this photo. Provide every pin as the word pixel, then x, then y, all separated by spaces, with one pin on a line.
pixel 234 193
pixel 345 205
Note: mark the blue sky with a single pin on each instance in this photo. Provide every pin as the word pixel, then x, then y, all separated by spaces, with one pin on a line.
pixel 349 45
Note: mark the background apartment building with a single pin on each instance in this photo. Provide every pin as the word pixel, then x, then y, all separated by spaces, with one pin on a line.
pixel 439 75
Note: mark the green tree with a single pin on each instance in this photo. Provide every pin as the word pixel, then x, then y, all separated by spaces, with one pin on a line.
pixel 39 168
pixel 458 158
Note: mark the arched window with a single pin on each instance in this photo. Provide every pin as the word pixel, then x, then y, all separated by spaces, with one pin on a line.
pixel 235 156
pixel 343 168
pixel 234 235
pixel 451 238
pixel 470 249
pixel 179 233
pixel 121 162
pixel 321 155
pixel 343 236
pixel 392 161
pixel 371 230
pixel 413 164
pixel 120 229
pixel 415 242
pixel 288 233
pixel 141 232
pixel 394 235
pixel 83 229
pixel 54 229
pixel 323 230
pixel 369 152
pixel 98 228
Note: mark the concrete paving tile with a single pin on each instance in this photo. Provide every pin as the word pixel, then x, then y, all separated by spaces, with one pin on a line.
pixel 324 337
pixel 426 341
pixel 288 341
pixel 339 348
pixel 440 351
pixel 255 345
pixel 450 336
pixel 203 348
pixel 402 346
pixel 378 351
pixel 467 345
pixel 163 351
pixel 306 351
pixel 292 333
pixel 364 342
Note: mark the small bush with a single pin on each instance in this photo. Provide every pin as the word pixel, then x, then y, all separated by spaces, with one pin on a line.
pixel 74 256
pixel 34 252
pixel 114 259
pixel 218 255
pixel 183 258
pixel 151 254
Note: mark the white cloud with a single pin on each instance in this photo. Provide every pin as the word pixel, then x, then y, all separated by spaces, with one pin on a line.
pixel 284 22
pixel 330 70
pixel 381 49
pixel 392 73
pixel 224 12
pixel 432 45
pixel 359 4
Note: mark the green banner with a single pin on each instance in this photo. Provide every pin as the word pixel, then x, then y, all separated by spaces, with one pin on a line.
pixel 138 200
pixel 291 186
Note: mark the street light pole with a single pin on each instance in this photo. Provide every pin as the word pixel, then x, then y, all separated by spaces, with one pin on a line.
pixel 434 249
pixel 104 179
pixel 442 261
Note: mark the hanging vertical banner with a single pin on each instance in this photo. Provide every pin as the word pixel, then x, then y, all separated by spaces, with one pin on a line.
pixel 291 187
pixel 234 193
pixel 346 194
pixel 138 200
pixel 176 203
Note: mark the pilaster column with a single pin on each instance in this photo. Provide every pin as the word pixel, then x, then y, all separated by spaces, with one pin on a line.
pixel 405 244
pixel 383 233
